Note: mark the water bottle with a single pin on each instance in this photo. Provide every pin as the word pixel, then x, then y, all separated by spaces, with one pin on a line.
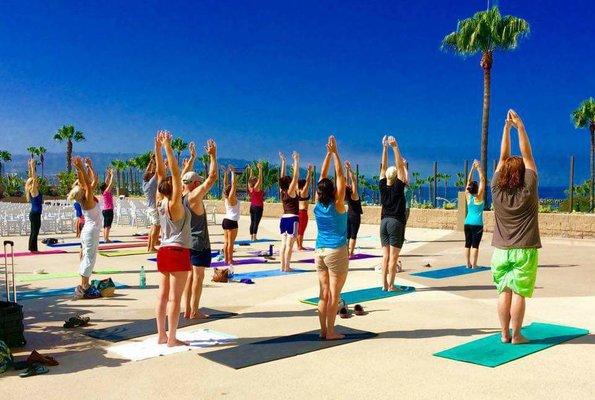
pixel 143 278
pixel 270 250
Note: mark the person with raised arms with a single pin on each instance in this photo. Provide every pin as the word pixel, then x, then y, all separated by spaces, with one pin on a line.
pixel 232 216
pixel 304 193
pixel 516 231
pixel 474 195
pixel 107 208
pixel 200 251
pixel 173 256
pixel 332 255
pixel 150 192
pixel 355 211
pixel 392 222
pixel 289 223
pixel 35 198
pixel 256 195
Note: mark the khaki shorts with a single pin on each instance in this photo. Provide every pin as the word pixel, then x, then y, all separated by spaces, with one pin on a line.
pixel 153 216
pixel 334 260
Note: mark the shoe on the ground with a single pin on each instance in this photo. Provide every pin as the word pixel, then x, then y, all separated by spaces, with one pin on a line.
pixel 79 293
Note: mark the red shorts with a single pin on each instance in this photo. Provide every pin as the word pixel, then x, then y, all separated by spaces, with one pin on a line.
pixel 303 222
pixel 173 259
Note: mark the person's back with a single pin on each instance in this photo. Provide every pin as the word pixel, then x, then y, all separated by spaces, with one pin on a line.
pixel 392 199
pixel 474 212
pixel 174 233
pixel 150 192
pixel 199 230
pixel 36 203
pixel 332 226
pixel 232 212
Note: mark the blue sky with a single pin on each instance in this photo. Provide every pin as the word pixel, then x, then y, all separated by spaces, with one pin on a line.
pixel 268 75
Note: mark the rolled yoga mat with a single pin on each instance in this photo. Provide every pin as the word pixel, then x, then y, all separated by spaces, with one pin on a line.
pixel 358 256
pixel 41 293
pixel 39 253
pixel 449 272
pixel 250 354
pixel 363 295
pixel 145 327
pixel 491 352
pixel 73 244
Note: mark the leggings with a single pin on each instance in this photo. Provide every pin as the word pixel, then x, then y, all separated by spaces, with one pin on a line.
pixel 35 219
pixel 255 217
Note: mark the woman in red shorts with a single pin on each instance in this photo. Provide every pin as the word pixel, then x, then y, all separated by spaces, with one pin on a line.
pixel 304 195
pixel 173 257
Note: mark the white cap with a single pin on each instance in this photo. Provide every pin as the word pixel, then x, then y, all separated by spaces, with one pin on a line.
pixel 190 177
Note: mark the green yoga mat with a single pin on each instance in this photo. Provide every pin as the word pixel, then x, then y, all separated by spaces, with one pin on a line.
pixel 363 295
pixel 491 352
pixel 126 252
pixel 60 275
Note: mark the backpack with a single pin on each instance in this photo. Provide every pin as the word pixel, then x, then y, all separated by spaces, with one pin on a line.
pixel 5 357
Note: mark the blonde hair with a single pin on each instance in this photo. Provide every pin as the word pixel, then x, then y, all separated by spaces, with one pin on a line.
pixel 28 184
pixel 76 193
pixel 391 174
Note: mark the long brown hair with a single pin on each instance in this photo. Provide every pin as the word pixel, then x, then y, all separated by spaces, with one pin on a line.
pixel 512 174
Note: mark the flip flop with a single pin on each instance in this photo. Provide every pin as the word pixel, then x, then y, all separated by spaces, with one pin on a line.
pixel 34 369
pixel 359 310
pixel 344 313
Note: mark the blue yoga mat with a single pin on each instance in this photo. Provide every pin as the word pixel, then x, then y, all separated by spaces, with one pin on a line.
pixel 449 272
pixel 369 294
pixel 40 293
pixel 491 352
pixel 266 274
pixel 72 244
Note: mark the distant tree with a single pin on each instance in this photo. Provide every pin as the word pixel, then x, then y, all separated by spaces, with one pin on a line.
pixel 38 152
pixel 178 145
pixel 5 157
pixel 69 135
pixel 119 166
pixel 461 183
pixel 584 117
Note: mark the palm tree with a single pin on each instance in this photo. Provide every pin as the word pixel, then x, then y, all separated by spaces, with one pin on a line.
pixel 32 151
pixel 204 159
pixel 5 157
pixel 584 117
pixel 179 145
pixel 417 184
pixel 69 134
pixel 445 178
pixel 461 180
pixel 119 166
pixel 486 32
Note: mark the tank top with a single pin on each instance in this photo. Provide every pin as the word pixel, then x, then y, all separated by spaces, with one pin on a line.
pixel 291 205
pixel 174 233
pixel 474 212
pixel 108 200
pixel 232 212
pixel 332 227
pixel 36 203
pixel 93 218
pixel 199 231
pixel 355 206
pixel 256 198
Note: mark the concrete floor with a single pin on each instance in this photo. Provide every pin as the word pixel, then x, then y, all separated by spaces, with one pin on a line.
pixel 397 363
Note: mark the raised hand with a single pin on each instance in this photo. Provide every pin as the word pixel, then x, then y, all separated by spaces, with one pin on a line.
pixel 164 138
pixel 192 149
pixel 347 165
pixel 295 156
pixel 385 141
pixel 331 146
pixel 211 147
pixel 310 168
pixel 514 117
pixel 392 142
pixel 259 165
pixel 282 156
pixel 185 163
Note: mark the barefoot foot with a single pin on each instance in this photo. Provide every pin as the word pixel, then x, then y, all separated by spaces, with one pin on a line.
pixel 334 336
pixel 162 339
pixel 175 342
pixel 519 340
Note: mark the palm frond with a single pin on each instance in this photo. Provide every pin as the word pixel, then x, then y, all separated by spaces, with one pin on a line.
pixel 584 115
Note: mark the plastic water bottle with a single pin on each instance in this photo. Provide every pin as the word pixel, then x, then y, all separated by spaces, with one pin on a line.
pixel 143 278
pixel 270 250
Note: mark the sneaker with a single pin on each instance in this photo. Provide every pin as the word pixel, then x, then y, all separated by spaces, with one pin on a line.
pixel 92 293
pixel 79 293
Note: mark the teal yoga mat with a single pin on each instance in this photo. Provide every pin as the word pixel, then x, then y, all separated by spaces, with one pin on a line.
pixel 40 293
pixel 449 272
pixel 363 295
pixel 491 352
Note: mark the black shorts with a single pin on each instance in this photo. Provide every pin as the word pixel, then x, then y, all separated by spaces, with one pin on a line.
pixel 200 258
pixel 228 224
pixel 108 218
pixel 392 232
pixel 353 223
pixel 473 234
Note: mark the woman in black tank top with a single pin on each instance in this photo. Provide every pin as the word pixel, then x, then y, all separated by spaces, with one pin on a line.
pixel 355 211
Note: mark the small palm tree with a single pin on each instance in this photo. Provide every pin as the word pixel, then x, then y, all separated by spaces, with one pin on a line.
pixel 41 153
pixel 68 134
pixel 584 117
pixel 32 151
pixel 204 159
pixel 119 166
pixel 5 157
pixel 418 182
pixel 178 145
pixel 461 180
pixel 485 32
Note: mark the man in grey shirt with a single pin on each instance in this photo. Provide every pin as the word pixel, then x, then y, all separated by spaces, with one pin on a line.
pixel 150 192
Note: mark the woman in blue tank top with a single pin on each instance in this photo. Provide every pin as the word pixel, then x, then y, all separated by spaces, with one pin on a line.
pixel 332 255
pixel 474 219
pixel 34 197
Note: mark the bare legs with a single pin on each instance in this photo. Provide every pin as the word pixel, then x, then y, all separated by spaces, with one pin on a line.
pixel 300 242
pixel 286 251
pixel 471 254
pixel 192 293
pixel 390 257
pixel 351 247
pixel 331 285
pixel 106 234
pixel 153 238
pixel 511 311
pixel 229 241
pixel 171 287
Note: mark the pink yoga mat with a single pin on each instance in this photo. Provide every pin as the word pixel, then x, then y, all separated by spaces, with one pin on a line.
pixel 39 253
pixel 122 245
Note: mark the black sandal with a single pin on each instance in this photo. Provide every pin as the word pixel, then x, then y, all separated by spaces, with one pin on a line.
pixel 76 321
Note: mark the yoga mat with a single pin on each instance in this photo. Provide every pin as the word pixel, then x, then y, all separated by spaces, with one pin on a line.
pixel 491 352
pixel 59 275
pixel 125 252
pixel 358 256
pixel 213 254
pixel 122 245
pixel 41 293
pixel 247 242
pixel 72 244
pixel 449 272
pixel 250 354
pixel 145 327
pixel 363 295
pixel 39 253
pixel 265 274
pixel 241 261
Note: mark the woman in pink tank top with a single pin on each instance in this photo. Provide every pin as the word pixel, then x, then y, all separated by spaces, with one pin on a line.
pixel 256 195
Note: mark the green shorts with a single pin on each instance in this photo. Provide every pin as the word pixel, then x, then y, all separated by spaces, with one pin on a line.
pixel 515 269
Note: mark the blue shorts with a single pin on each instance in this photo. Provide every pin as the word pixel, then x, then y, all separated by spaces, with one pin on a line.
pixel 200 258
pixel 289 225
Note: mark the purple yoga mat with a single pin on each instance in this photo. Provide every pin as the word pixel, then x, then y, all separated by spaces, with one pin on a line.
pixel 241 261
pixel 39 253
pixel 358 256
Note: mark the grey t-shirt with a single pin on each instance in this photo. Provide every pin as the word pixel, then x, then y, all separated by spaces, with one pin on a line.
pixel 516 214
pixel 150 191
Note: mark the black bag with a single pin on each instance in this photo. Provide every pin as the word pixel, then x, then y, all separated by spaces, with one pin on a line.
pixel 12 330
pixel 49 241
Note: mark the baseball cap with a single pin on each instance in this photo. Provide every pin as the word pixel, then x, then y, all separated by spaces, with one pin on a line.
pixel 190 177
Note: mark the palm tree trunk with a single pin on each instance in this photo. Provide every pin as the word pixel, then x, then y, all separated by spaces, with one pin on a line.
pixel 486 64
pixel 69 155
pixel 592 193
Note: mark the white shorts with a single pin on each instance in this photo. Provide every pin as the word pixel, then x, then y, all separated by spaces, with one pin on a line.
pixel 153 216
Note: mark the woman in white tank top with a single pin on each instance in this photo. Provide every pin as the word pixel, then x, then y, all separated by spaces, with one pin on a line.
pixel 232 215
